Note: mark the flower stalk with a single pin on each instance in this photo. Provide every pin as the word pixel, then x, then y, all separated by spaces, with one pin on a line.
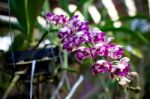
pixel 85 42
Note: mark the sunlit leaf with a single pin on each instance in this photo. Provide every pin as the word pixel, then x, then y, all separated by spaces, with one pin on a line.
pixel 135 51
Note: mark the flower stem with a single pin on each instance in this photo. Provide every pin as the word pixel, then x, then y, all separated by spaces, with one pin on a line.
pixel 65 59
pixel 88 45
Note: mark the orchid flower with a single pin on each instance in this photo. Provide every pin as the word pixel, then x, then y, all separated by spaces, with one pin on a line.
pixel 76 35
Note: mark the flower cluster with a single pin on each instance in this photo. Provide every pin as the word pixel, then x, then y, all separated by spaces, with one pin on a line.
pixel 56 19
pixel 76 36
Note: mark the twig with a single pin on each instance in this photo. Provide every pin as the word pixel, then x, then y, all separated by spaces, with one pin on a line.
pixel 65 65
pixel 67 81
pixel 58 88
pixel 58 96
pixel 15 79
pixel 75 86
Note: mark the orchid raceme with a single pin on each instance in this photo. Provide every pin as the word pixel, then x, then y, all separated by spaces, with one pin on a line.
pixel 85 42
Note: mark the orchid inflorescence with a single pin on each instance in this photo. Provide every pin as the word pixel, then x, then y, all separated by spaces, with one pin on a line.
pixel 85 42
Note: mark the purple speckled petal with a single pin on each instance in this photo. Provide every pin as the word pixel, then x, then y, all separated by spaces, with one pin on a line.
pixel 101 66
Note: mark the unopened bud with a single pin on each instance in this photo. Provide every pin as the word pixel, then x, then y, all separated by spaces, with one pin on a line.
pixel 135 89
pixel 134 75
pixel 124 81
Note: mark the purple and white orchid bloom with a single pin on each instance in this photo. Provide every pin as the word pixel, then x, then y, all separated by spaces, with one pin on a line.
pixel 81 53
pixel 97 35
pixel 76 36
pixel 101 49
pixel 101 66
pixel 56 19
pixel 73 30
pixel 122 67
pixel 115 51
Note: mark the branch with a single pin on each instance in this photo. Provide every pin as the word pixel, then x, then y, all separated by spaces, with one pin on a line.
pixel 15 79
pixel 58 87
pixel 75 86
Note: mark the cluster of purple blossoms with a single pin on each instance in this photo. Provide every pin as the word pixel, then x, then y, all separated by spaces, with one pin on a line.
pixel 56 19
pixel 76 36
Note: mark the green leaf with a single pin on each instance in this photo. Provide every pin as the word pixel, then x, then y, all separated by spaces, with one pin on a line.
pixel 85 9
pixel 46 6
pixel 26 12
pixel 18 42
pixel 83 5
pixel 64 5
pixel 133 34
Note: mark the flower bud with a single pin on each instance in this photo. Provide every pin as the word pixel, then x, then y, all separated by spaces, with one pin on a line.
pixel 124 81
pixel 133 75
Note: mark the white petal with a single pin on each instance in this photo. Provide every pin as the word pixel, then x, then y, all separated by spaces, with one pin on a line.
pixel 109 39
pixel 81 48
pixel 98 45
pixel 96 29
pixel 79 34
pixel 100 61
pixel 64 29
pixel 126 59
pixel 120 66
